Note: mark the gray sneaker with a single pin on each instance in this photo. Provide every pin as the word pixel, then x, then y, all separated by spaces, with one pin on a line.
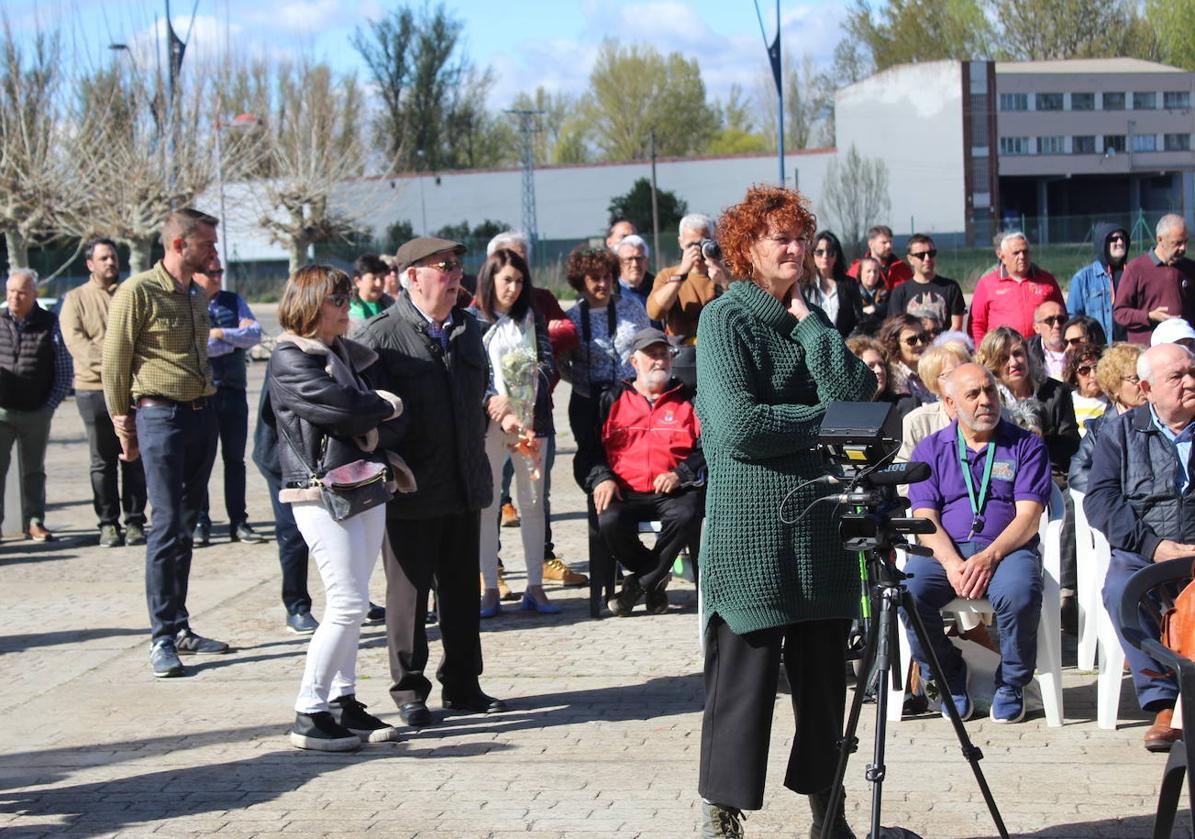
pixel 188 643
pixel 110 536
pixel 718 821
pixel 134 535
pixel 164 661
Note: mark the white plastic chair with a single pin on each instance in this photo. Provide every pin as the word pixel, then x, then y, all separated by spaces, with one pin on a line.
pixel 1111 651
pixel 1049 626
pixel 1089 580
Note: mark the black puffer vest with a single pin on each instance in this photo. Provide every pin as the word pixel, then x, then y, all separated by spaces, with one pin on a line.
pixel 27 361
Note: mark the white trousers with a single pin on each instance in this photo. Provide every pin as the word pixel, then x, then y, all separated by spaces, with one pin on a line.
pixel 530 494
pixel 345 553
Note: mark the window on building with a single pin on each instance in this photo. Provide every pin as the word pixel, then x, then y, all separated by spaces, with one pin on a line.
pixel 1113 101
pixel 1145 100
pixel 1114 143
pixel 1014 101
pixel 1082 101
pixel 1014 145
pixel 1177 142
pixel 1048 101
pixel 1051 145
pixel 1083 145
pixel 1145 142
pixel 1176 100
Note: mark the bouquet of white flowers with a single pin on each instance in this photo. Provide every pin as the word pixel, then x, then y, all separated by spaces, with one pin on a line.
pixel 520 374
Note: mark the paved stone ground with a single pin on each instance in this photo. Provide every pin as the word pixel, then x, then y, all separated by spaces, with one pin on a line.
pixel 602 738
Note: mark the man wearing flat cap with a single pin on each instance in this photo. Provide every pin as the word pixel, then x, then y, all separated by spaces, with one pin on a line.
pixel 645 464
pixel 432 354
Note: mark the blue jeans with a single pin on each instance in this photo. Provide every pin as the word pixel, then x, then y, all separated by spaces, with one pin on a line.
pixel 1154 693
pixel 1015 595
pixel 178 447
pixel 232 418
pixel 292 551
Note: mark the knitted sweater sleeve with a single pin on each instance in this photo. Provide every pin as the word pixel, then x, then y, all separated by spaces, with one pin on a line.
pixel 737 412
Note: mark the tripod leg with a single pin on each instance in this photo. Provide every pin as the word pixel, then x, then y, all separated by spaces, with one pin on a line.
pixel 970 751
pixel 885 662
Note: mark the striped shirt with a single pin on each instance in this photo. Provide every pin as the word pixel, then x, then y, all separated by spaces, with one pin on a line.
pixel 156 343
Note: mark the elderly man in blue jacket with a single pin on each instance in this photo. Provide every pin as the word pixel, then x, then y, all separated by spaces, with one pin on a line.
pixel 1140 495
pixel 1093 288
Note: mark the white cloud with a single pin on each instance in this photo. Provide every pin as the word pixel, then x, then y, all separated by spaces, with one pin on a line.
pixel 307 16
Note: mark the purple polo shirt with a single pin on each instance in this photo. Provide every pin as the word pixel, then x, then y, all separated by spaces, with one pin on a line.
pixel 1020 472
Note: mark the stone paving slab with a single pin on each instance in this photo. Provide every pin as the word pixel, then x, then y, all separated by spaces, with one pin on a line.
pixel 602 739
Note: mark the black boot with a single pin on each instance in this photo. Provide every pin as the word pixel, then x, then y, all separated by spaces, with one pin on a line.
pixel 623 602
pixel 819 803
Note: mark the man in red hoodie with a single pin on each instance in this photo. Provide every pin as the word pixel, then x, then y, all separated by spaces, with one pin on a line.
pixel 879 247
pixel 1011 293
pixel 648 467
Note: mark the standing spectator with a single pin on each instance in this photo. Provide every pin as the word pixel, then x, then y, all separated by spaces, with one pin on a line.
pixel 633 277
pixel 432 354
pixel 84 320
pixel 158 388
pixel 1086 394
pixel 1094 287
pixel 233 331
pixel 768 366
pixel 1139 495
pixel 1081 329
pixel 619 229
pixel 369 289
pixel 829 288
pixel 607 325
pixel 872 294
pixel 390 286
pixel 1047 347
pixel 680 291
pixel 893 270
pixel 518 409
pixel 1009 295
pixel 327 414
pixel 1158 285
pixel 35 374
pixel 927 291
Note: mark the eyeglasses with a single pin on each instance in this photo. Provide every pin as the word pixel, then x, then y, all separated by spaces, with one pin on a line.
pixel 919 338
pixel 1054 320
pixel 931 253
pixel 825 252
pixel 447 265
pixel 1133 380
pixel 1085 370
pixel 338 300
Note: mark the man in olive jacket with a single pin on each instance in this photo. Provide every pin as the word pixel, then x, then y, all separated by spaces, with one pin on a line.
pixel 432 353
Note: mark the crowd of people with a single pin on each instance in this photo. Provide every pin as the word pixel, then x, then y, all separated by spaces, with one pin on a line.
pixel 407 408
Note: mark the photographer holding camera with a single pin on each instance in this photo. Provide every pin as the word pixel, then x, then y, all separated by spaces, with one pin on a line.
pixel 773 588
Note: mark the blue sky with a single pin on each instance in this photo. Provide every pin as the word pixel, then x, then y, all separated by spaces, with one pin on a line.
pixel 526 42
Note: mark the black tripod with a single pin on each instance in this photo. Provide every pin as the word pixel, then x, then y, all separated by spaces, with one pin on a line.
pixel 888 593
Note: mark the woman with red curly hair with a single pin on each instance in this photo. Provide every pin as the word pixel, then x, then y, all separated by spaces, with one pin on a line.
pixel 777 584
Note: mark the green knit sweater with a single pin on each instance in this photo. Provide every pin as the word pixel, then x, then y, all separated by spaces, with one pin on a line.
pixel 763 383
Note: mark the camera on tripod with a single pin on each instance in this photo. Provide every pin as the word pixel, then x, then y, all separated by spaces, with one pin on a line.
pixel 858 441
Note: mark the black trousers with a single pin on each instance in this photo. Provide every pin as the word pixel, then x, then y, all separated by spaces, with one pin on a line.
pixel 414 553
pixel 108 500
pixel 741 676
pixel 292 551
pixel 679 515
pixel 232 417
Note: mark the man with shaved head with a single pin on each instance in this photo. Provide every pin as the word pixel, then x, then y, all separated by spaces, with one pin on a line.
pixel 1140 495
pixel 1158 285
pixel 990 482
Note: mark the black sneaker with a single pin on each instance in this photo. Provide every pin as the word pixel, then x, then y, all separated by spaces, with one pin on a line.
pixel 164 661
pixel 244 533
pixel 657 598
pixel 301 622
pixel 202 536
pixel 375 615
pixel 320 732
pixel 110 536
pixel 188 643
pixel 351 714
pixel 134 535
pixel 623 602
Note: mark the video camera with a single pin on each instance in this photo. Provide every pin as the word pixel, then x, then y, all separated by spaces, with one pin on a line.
pixel 858 441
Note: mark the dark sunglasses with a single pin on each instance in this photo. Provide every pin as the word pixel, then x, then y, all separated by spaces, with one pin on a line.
pixel 825 252
pixel 338 300
pixel 1054 320
pixel 1074 342
pixel 1117 238
pixel 919 338
pixel 1085 370
pixel 932 253
pixel 447 265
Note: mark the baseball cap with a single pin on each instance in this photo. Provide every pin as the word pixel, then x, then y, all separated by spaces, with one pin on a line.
pixel 423 247
pixel 647 336
pixel 1171 332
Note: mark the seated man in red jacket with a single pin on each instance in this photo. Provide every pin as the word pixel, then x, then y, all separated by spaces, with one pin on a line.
pixel 648 468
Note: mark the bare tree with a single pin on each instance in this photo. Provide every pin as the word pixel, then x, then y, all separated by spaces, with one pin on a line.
pixel 808 105
pixel 855 195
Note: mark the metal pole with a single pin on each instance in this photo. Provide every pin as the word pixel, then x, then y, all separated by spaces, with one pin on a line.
pixel 229 280
pixel 779 100
pixel 172 78
pixel 655 207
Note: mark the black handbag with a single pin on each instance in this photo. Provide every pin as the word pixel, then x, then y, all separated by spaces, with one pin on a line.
pixel 348 489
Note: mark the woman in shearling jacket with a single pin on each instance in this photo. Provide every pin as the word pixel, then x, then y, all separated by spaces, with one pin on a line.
pixel 328 415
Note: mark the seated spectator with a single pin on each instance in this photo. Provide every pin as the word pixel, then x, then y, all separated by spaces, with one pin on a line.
pixel 905 339
pixel 1117 375
pixel 829 288
pixel 933 368
pixel 871 352
pixel 990 483
pixel 1086 395
pixel 1173 331
pixel 1010 294
pixel 369 295
pixel 1140 496
pixel 872 294
pixel 1081 329
pixel 1046 347
pixel 644 463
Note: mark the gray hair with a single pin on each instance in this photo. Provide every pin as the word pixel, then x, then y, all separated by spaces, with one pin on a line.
pixel 1168 222
pixel 28 273
pixel 508 238
pixel 1012 236
pixel 1145 367
pixel 697 222
pixel 635 241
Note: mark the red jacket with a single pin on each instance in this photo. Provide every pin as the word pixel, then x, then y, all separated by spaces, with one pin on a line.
pixel 895 272
pixel 642 439
pixel 999 300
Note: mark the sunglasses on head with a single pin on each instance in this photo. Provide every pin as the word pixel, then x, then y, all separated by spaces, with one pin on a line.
pixel 932 252
pixel 339 300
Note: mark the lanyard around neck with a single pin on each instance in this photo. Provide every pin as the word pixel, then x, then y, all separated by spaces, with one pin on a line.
pixel 976 506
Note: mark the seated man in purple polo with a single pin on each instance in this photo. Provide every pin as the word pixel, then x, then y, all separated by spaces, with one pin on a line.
pixel 990 483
